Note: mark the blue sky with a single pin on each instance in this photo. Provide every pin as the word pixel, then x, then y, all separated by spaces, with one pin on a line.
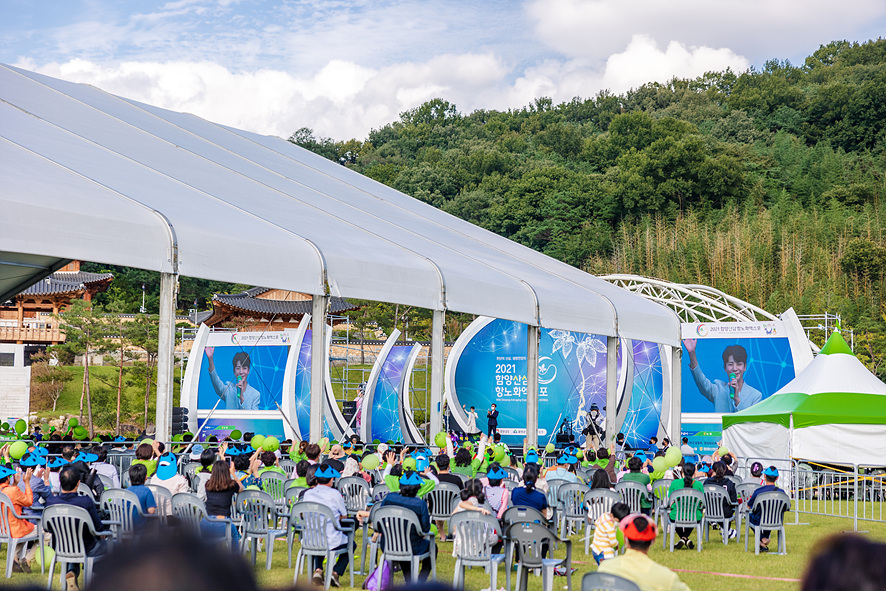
pixel 343 68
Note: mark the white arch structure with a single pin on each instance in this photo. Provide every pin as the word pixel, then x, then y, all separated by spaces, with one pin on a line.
pixel 692 303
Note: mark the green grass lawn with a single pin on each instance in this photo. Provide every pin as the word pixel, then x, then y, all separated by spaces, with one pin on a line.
pixel 714 558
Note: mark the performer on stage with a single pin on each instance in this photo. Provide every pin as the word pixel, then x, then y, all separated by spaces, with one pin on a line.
pixel 492 418
pixel 732 394
pixel 238 394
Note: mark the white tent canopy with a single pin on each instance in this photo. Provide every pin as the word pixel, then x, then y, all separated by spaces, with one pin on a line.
pixel 834 411
pixel 93 176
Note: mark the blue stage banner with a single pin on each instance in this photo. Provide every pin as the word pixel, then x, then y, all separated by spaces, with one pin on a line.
pixel 222 427
pixel 758 355
pixel 704 438
pixel 245 371
pixel 302 392
pixel 643 417
pixel 385 411
pixel 488 365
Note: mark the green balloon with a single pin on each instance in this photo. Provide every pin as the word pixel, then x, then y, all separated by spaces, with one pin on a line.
pixel 72 423
pixel 48 555
pixel 549 448
pixel 5 426
pixel 723 451
pixel 80 433
pixel 673 456
pixel 506 461
pixel 257 441
pixel 21 426
pixel 580 454
pixel 440 439
pixel 659 464
pixel 370 462
pixel 500 453
pixel 236 434
pixel 468 446
pixel 270 444
pixel 409 464
pixel 18 449
pixel 324 444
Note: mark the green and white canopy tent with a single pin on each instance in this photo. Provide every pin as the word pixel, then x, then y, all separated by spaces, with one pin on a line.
pixel 833 412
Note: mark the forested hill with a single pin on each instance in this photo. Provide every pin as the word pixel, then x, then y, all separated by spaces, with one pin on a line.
pixel 767 184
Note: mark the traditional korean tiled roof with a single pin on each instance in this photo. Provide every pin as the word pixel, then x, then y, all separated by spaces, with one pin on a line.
pixel 249 302
pixel 67 282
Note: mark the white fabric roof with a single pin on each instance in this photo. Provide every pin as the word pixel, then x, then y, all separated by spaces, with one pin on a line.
pixel 92 176
pixel 837 372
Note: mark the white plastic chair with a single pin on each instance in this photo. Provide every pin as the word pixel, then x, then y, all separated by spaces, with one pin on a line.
pixel 471 545
pixel 310 520
pixel 531 539
pixel 259 518
pixel 395 525
pixel 715 500
pixel 598 501
pixel 772 505
pixel 598 581
pixel 685 502
pixel 68 524
pixel 7 508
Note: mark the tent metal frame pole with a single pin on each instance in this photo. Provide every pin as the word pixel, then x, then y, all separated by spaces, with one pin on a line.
pixel 436 415
pixel 318 364
pixel 532 385
pixel 612 424
pixel 676 396
pixel 165 356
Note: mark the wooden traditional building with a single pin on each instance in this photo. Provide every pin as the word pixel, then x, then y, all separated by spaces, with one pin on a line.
pixel 261 308
pixel 28 317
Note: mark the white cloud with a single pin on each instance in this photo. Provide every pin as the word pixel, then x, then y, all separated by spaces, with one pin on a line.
pixel 761 29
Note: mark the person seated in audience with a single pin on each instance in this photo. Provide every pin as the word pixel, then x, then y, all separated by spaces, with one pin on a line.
pixel 137 475
pixel 718 477
pixel 527 495
pixel 220 489
pixel 312 453
pixel 102 467
pixel 297 453
pixel 40 484
pixel 635 565
pixel 144 454
pixel 167 477
pixel 770 475
pixel 208 458
pixel 636 474
pixel 69 480
pixel 605 543
pixel 846 562
pixel 561 471
pixel 474 499
pixel 688 481
pixel 495 492
pixel 11 483
pixel 407 497
pixel 336 458
pixel 269 460
pixel 600 479
pixel 325 494
pixel 443 470
pixel 247 467
pixel 301 470
pixel 756 476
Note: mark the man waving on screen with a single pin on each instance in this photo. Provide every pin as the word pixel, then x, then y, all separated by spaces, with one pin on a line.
pixel 238 394
pixel 733 394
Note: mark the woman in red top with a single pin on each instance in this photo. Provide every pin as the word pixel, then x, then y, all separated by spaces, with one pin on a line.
pixel 18 528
